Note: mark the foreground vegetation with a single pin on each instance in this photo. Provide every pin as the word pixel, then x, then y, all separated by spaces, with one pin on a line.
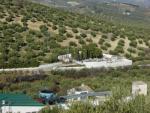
pixel 138 105
pixel 98 80
pixel 33 34
pixel 119 81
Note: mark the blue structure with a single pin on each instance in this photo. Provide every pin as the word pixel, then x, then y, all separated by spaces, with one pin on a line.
pixel 48 96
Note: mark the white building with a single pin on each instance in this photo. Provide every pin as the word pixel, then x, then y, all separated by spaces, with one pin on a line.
pixel 107 61
pixel 83 89
pixel 65 58
pixel 73 3
pixel 85 93
pixel 18 103
pixel 139 88
pixel 67 63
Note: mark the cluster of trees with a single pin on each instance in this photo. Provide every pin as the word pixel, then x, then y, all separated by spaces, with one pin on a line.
pixel 86 52
pixel 15 77
pixel 23 47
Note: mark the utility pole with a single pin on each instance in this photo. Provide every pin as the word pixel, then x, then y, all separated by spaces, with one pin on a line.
pixel 0 107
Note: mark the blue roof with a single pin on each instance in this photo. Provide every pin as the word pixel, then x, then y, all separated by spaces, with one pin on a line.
pixel 17 99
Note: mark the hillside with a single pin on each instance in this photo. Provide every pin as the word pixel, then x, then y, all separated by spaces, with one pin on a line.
pixel 124 11
pixel 33 34
pixel 64 2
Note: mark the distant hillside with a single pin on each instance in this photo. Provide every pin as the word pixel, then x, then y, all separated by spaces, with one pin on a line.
pixel 33 34
pixel 126 10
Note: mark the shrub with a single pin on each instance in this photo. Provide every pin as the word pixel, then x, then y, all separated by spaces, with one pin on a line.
pixel 140 41
pixel 69 35
pixel 81 41
pixel 121 43
pixel 101 41
pixel 131 50
pixel 107 44
pixel 113 39
pixel 85 27
pixel 83 35
pixel 113 52
pixel 60 39
pixel 72 44
pixel 9 19
pixel 104 36
pixel 141 54
pixel 62 30
pixel 54 27
pixel 93 34
pixel 141 48
pixel 53 44
pixel 119 49
pixel 78 37
pixel 122 36
pixel 43 28
pixel 89 40
pixel 33 20
pixel 75 30
pixel 104 47
pixel 133 44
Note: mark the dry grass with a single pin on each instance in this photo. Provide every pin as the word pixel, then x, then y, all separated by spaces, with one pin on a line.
pixel 36 26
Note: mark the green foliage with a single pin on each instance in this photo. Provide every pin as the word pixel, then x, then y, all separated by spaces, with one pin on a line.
pixel 119 49
pixel 31 44
pixel 69 35
pixel 121 43
pixel 107 44
pixel 75 30
pixel 72 44
pixel 43 28
pixel 78 37
pixel 54 27
pixel 90 51
pixel 81 41
pixel 83 35
pixel 62 30
pixel 133 44
pixel 101 41
pixel 117 80
pixel 131 50
pixel 104 37
pixel 93 34
pixel 89 40
pixel 104 47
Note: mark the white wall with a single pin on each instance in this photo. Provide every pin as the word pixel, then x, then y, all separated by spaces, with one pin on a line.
pixel 120 63
pixel 20 69
pixel 21 109
pixel 139 89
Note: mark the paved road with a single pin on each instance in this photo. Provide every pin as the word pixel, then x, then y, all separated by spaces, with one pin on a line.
pixel 144 65
pixel 47 67
pixel 20 69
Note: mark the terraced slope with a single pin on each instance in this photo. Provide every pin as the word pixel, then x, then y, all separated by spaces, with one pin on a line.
pixel 32 34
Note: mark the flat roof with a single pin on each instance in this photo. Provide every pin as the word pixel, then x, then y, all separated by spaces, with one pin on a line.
pixel 106 93
pixel 17 99
pixel 139 83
